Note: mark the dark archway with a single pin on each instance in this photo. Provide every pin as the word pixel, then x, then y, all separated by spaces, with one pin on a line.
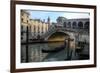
pixel 74 25
pixel 58 36
pixel 65 24
pixel 69 25
pixel 80 25
pixel 86 25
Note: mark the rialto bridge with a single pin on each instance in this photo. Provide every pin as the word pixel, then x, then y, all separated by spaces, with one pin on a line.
pixel 77 29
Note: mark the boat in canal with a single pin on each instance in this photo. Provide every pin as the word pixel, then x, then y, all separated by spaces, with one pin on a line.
pixel 56 49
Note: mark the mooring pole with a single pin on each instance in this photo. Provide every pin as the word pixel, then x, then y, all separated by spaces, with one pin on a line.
pixel 68 40
pixel 68 48
pixel 27 35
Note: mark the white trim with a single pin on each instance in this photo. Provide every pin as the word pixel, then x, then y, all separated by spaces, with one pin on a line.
pixel 52 64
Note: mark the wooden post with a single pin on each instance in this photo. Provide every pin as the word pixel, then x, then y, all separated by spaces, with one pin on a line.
pixel 68 48
pixel 27 35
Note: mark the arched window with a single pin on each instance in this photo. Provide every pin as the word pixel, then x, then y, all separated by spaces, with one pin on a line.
pixel 86 25
pixel 74 25
pixel 80 25
pixel 69 24
pixel 65 24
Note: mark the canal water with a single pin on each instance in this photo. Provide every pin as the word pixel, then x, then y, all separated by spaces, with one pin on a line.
pixel 35 53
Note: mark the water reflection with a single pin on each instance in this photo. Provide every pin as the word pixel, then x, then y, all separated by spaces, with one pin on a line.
pixel 35 53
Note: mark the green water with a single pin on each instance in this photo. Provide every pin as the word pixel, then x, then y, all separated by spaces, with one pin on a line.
pixel 35 53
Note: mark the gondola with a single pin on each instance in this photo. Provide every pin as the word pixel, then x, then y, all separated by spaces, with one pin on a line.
pixel 57 49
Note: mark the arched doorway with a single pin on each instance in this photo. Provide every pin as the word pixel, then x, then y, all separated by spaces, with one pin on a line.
pixel 74 25
pixel 69 25
pixel 86 25
pixel 80 25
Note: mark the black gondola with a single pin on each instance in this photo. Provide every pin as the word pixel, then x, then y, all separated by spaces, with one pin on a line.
pixel 57 49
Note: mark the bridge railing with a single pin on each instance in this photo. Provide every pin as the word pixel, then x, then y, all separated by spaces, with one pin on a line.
pixel 53 29
pixel 50 30
pixel 86 31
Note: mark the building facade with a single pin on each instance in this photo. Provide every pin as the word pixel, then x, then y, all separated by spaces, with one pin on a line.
pixel 36 27
pixel 25 22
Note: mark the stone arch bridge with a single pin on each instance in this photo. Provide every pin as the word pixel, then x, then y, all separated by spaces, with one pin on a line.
pixel 72 33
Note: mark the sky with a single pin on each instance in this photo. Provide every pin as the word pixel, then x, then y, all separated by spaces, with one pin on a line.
pixel 43 15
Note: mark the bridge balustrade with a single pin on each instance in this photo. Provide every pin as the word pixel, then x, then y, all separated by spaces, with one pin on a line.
pixel 53 29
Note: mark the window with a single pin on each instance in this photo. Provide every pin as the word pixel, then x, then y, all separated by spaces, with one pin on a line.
pixel 21 19
pixel 27 21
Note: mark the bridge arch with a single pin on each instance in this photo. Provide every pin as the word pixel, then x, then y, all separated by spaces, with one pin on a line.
pixel 60 33
pixel 74 25
pixel 69 24
pixel 86 25
pixel 80 25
